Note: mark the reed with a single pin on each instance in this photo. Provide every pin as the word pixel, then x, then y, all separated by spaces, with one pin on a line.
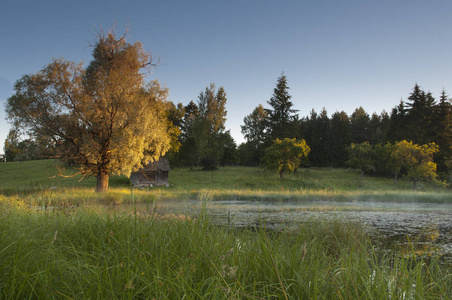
pixel 86 252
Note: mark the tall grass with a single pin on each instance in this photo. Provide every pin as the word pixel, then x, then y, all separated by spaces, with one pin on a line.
pixel 78 253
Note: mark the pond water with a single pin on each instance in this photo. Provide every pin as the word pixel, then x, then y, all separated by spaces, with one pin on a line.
pixel 399 222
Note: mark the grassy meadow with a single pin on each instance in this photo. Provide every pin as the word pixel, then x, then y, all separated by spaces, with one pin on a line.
pixel 39 181
pixel 85 252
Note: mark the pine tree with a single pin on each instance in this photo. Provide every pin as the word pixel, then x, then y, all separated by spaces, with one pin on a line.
pixel 191 112
pixel 310 132
pixel 317 134
pixel 282 119
pixel 420 107
pixel 383 129
pixel 324 129
pixel 340 138
pixel 359 126
pixel 397 129
pixel 443 124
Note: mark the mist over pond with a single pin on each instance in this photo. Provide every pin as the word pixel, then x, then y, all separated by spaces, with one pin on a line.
pixel 401 222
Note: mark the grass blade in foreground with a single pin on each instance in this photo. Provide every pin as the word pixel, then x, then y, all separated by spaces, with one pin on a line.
pixel 82 253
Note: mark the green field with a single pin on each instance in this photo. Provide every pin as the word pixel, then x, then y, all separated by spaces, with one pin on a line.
pixel 40 180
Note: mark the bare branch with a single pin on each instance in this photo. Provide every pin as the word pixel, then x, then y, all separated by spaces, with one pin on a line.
pixel 61 172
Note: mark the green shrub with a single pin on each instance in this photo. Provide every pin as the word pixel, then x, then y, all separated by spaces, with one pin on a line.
pixel 209 164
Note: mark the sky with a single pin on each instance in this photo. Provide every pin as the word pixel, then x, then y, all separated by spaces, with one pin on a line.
pixel 337 55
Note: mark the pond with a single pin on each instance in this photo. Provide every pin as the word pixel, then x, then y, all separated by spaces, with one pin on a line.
pixel 402 223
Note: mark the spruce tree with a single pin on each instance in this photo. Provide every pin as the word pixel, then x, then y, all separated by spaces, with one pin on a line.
pixel 359 126
pixel 378 125
pixel 191 112
pixel 340 138
pixel 323 129
pixel 317 135
pixel 282 119
pixel 443 125
pixel 420 108
pixel 397 129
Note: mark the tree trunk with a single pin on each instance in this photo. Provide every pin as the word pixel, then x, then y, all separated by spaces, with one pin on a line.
pixel 102 183
pixel 414 185
pixel 395 179
pixel 281 174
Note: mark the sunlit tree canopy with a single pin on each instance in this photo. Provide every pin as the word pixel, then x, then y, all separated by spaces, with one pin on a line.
pixel 105 118
pixel 286 155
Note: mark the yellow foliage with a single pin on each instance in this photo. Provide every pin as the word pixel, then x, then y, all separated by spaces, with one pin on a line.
pixel 285 155
pixel 13 202
pixel 105 117
pixel 417 159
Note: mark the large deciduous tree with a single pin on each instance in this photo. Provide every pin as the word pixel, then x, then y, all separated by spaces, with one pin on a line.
pixel 189 150
pixel 254 125
pixel 254 131
pixel 212 107
pixel 105 118
pixel 206 124
pixel 12 149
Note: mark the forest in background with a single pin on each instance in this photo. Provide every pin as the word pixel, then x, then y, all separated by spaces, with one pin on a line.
pixel 421 120
pixel 204 141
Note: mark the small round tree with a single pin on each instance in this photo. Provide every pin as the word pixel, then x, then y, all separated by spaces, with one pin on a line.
pixel 360 156
pixel 416 159
pixel 285 156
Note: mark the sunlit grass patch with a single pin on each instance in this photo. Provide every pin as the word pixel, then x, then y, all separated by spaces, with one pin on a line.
pixel 37 179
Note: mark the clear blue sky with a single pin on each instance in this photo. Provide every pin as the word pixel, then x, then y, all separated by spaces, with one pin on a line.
pixel 336 54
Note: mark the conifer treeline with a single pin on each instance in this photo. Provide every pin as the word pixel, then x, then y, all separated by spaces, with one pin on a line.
pixel 421 119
